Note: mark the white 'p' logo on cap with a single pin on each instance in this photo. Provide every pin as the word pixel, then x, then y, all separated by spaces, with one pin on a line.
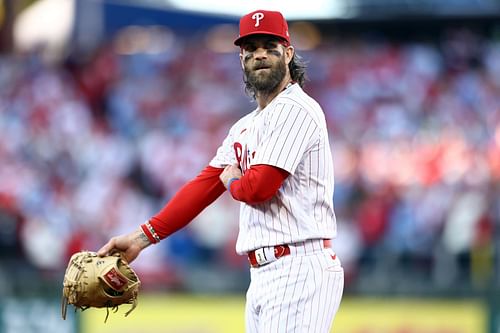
pixel 257 17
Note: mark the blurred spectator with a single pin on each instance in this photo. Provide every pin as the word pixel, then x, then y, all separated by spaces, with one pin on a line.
pixel 92 148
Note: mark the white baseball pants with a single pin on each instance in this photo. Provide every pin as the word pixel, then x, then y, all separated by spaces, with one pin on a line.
pixel 300 292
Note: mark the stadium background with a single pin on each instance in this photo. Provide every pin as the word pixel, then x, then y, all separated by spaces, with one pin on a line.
pixel 106 113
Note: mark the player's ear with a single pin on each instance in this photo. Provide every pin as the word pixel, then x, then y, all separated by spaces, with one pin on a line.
pixel 242 62
pixel 289 52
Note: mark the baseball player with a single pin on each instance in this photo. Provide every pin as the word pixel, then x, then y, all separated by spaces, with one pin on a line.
pixel 276 161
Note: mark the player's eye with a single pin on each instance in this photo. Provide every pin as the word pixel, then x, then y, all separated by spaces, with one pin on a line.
pixel 271 45
pixel 249 47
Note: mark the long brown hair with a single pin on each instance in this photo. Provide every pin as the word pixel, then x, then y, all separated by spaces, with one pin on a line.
pixel 297 69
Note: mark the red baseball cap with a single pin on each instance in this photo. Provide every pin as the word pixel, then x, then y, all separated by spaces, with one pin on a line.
pixel 263 22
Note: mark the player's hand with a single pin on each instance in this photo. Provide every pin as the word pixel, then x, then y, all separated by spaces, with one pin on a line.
pixel 130 245
pixel 230 171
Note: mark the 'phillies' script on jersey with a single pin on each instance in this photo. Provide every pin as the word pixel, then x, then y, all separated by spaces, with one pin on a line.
pixel 290 133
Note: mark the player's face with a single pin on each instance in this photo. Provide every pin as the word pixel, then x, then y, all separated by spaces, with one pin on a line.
pixel 264 63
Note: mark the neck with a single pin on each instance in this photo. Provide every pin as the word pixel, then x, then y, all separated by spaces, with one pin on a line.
pixel 263 99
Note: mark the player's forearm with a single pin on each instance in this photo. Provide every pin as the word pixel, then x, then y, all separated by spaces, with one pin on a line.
pixel 186 204
pixel 259 184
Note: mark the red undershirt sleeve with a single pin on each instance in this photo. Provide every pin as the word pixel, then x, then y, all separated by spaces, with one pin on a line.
pixel 188 202
pixel 259 184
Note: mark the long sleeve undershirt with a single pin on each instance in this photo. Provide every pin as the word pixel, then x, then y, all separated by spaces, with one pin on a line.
pixel 260 183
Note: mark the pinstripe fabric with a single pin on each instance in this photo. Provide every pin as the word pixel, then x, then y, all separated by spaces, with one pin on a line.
pixel 298 293
pixel 290 133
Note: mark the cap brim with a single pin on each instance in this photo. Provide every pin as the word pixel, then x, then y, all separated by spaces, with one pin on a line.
pixel 240 39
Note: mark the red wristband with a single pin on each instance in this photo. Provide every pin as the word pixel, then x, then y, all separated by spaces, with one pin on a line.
pixel 150 233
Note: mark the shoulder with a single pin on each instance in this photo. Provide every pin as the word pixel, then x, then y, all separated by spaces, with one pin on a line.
pixel 242 122
pixel 297 99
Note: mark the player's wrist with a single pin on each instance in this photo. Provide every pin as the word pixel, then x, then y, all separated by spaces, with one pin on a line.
pixel 149 232
pixel 140 238
pixel 230 181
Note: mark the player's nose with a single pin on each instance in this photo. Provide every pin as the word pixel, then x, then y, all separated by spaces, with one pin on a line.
pixel 260 53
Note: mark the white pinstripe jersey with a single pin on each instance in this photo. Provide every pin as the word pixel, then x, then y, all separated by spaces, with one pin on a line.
pixel 289 133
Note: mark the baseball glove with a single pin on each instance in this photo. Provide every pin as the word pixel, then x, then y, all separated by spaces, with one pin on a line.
pixel 91 281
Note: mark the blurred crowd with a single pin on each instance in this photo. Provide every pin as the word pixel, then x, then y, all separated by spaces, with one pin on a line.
pixel 92 148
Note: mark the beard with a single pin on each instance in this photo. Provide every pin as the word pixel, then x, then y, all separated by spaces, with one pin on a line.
pixel 265 81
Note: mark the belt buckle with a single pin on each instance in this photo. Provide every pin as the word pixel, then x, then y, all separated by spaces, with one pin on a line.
pixel 260 256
